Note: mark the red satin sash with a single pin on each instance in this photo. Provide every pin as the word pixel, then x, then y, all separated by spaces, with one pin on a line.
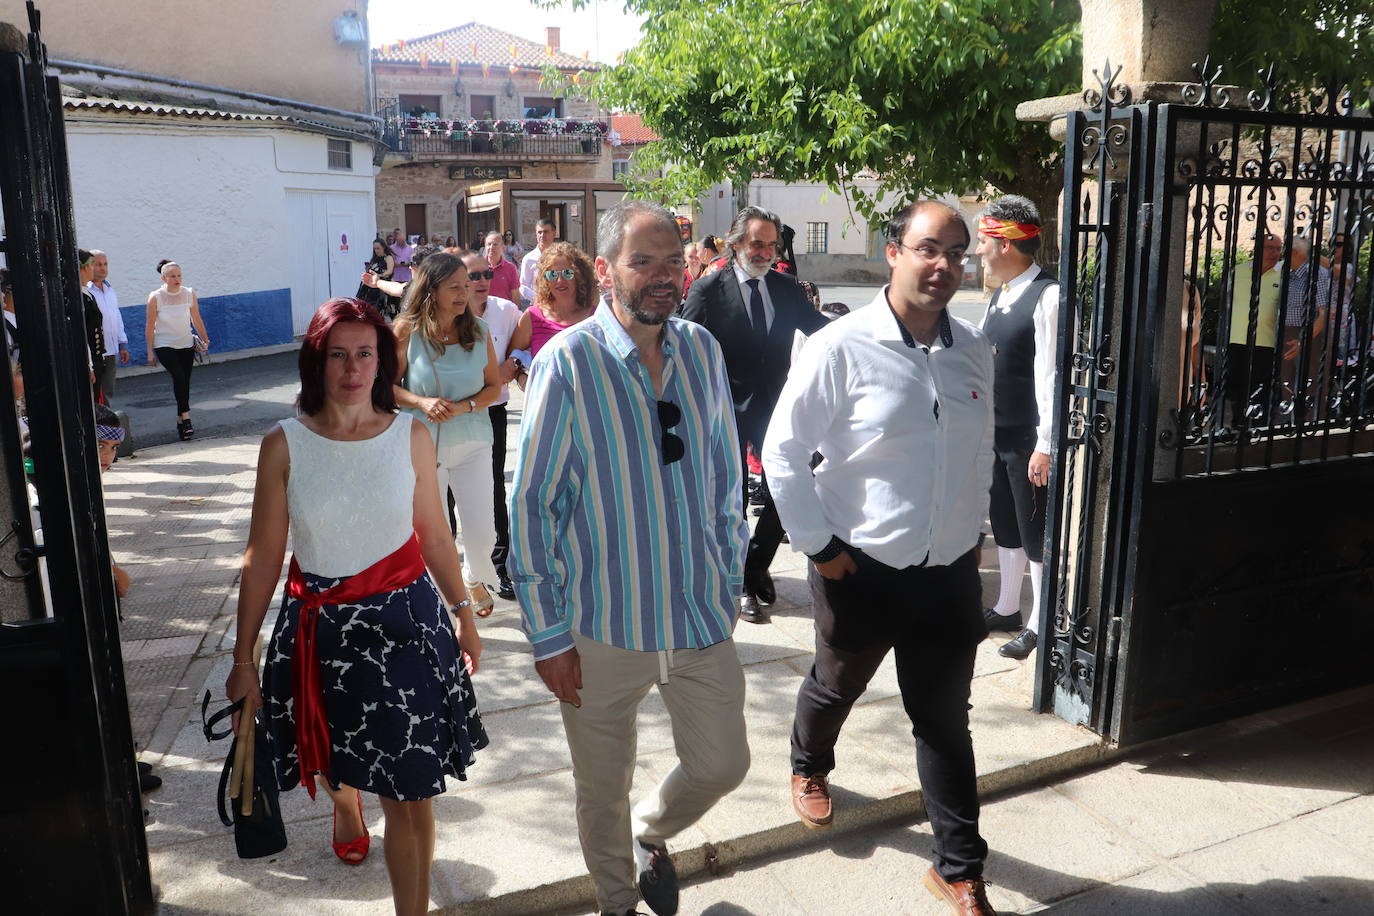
pixel 395 571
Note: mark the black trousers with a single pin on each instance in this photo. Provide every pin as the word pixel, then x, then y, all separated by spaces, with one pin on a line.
pixel 497 413
pixel 178 362
pixel 763 543
pixel 1249 377
pixel 932 617
pixel 1017 506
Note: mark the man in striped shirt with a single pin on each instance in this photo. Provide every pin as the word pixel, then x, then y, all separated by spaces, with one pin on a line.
pixel 627 553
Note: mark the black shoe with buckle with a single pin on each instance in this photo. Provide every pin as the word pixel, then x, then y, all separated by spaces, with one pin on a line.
pixel 1021 647
pixel 657 878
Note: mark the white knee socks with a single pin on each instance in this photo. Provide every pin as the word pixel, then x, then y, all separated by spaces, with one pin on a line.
pixel 1011 564
pixel 1033 619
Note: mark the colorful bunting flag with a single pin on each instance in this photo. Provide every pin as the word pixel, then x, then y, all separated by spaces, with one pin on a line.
pixel 424 60
pixel 401 42
pixel 453 67
pixel 441 46
pixel 486 70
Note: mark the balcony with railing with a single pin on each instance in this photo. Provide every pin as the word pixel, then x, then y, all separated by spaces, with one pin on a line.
pixel 543 139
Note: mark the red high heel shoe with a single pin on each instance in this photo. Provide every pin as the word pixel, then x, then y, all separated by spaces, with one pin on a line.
pixel 354 848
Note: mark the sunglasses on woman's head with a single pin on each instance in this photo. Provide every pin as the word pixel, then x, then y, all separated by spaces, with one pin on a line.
pixel 481 274
pixel 567 273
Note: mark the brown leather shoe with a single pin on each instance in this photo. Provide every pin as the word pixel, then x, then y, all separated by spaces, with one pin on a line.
pixel 967 898
pixel 811 801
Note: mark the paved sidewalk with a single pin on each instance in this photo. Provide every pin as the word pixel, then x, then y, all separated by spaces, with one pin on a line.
pixel 1269 815
pixel 178 517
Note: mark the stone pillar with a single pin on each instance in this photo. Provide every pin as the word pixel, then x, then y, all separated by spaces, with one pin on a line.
pixel 1151 40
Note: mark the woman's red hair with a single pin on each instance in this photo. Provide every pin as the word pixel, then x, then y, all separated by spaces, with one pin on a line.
pixel 312 357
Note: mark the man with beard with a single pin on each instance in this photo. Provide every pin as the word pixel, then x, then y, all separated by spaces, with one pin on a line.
pixel 627 576
pixel 754 312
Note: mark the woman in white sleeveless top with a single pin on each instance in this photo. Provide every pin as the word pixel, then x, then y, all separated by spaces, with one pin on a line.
pixel 172 310
pixel 366 682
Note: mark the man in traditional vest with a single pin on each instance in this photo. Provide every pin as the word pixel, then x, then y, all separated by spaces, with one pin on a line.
pixel 1022 322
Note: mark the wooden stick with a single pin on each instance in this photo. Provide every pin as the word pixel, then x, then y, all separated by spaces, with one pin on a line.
pixel 241 748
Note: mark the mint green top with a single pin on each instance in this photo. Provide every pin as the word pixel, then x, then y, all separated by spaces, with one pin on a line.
pixel 459 375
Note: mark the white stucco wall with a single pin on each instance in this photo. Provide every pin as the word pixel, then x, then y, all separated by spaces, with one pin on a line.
pixel 214 197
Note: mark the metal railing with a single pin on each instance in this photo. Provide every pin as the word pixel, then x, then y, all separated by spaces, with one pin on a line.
pixel 403 132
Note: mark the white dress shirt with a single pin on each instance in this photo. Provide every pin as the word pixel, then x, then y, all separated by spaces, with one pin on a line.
pixel 1046 321
pixel 111 320
pixel 501 316
pixel 906 434
pixel 743 277
pixel 528 264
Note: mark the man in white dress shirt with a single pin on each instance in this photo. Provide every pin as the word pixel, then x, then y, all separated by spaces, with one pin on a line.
pixel 898 399
pixel 112 322
pixel 544 236
pixel 1022 321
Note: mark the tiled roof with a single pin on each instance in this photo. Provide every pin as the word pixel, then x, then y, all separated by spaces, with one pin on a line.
pixel 630 129
pixel 475 44
pixel 75 104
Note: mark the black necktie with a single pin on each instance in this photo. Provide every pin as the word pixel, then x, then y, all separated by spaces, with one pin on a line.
pixel 756 314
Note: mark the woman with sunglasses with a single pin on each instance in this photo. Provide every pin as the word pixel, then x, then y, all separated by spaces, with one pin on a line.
pixel 448 372
pixel 565 293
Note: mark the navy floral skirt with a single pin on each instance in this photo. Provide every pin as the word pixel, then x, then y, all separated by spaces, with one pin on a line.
pixel 401 710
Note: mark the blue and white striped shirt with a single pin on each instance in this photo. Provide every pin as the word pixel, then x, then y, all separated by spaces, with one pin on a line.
pixel 605 539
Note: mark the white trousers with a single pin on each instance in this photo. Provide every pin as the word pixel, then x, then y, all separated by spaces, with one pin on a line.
pixel 465 468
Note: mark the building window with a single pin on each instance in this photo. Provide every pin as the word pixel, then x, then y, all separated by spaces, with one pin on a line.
pixel 419 106
pixel 620 167
pixel 341 155
pixel 817 238
pixel 483 107
pixel 536 107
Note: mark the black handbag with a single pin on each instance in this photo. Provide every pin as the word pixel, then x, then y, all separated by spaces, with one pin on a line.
pixel 261 833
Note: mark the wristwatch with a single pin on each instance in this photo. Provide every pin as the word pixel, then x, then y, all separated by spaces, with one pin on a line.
pixel 472 406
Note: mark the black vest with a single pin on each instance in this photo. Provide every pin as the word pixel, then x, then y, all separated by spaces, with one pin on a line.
pixel 1012 334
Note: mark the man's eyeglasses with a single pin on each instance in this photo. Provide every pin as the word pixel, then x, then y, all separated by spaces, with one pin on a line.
pixel 476 275
pixel 566 273
pixel 955 257
pixel 670 415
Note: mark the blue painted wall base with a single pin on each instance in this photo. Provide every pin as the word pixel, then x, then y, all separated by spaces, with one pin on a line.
pixel 234 322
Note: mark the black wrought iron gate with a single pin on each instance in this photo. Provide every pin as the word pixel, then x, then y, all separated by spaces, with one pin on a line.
pixel 1211 531
pixel 71 830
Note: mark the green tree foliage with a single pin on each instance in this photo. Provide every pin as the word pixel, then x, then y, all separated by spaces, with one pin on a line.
pixel 920 93
pixel 1311 43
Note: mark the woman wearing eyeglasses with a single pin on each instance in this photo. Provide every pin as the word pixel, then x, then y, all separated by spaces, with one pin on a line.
pixel 449 377
pixel 565 293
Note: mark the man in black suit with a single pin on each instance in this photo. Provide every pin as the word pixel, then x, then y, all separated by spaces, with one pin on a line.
pixel 754 313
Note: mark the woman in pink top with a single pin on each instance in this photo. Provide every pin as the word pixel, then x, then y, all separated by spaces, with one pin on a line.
pixel 565 292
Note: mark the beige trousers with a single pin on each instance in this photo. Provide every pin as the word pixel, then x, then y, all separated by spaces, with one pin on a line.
pixel 703 690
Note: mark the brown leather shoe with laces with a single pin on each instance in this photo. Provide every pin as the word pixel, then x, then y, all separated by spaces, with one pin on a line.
pixel 811 801
pixel 967 898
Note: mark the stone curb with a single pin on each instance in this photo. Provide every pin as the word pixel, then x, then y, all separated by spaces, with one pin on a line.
pixel 576 895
